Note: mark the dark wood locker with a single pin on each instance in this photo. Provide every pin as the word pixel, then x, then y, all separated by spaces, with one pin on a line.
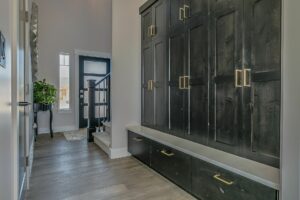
pixel 159 42
pixel 178 95
pixel 176 9
pixel 147 89
pixel 198 69
pixel 154 66
pixel 139 147
pixel 226 29
pixel 262 80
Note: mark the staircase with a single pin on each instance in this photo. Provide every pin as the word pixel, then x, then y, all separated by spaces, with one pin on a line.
pixel 99 115
pixel 103 139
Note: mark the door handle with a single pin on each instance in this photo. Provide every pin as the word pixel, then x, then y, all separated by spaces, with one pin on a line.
pixel 247 77
pixel 186 80
pixel 153 30
pixel 149 31
pixel 218 178
pixel 180 83
pixel 238 78
pixel 186 11
pixel 150 85
pixel 164 152
pixel 181 10
pixel 137 139
pixel 23 103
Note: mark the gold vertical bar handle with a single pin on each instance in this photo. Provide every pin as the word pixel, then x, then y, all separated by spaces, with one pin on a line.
pixel 247 77
pixel 181 10
pixel 153 30
pixel 238 78
pixel 149 31
pixel 186 11
pixel 152 84
pixel 180 83
pixel 218 178
pixel 186 82
pixel 149 85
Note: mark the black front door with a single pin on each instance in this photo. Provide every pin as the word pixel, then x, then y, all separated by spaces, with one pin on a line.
pixel 91 68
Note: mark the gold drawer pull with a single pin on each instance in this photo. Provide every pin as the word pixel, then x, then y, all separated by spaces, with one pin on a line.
pixel 149 31
pixel 181 80
pixel 218 177
pixel 166 153
pixel 137 139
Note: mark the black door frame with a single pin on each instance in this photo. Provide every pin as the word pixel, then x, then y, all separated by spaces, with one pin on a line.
pixel 82 121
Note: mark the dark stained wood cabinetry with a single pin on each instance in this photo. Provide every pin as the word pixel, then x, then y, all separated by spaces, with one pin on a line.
pixel 212 73
pixel 210 182
pixel 154 66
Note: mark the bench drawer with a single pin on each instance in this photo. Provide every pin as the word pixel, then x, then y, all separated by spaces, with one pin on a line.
pixel 210 182
pixel 139 147
pixel 173 164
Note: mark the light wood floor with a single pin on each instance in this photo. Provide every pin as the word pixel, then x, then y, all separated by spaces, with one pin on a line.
pixel 65 170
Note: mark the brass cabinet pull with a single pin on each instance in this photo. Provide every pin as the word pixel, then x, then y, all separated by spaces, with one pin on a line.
pixel 137 139
pixel 149 31
pixel 238 78
pixel 247 77
pixel 153 30
pixel 166 153
pixel 152 84
pixel 186 82
pixel 186 11
pixel 180 83
pixel 149 85
pixel 218 177
pixel 181 10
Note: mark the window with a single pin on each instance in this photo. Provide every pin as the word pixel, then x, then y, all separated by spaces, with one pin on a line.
pixel 64 81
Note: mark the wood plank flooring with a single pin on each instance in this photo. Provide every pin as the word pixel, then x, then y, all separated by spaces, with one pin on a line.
pixel 79 170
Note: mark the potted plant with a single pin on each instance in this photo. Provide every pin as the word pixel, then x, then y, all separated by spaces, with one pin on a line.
pixel 44 95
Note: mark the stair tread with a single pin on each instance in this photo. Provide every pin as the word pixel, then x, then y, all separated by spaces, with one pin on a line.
pixel 107 124
pixel 104 137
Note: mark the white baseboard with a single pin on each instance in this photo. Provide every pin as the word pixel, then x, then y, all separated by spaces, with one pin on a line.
pixel 118 153
pixel 58 129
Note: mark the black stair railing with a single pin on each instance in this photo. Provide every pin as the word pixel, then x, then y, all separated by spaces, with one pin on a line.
pixel 99 109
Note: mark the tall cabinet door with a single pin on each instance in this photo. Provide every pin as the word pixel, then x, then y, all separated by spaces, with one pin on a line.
pixel 198 65
pixel 159 42
pixel 176 14
pixel 226 50
pixel 177 95
pixel 147 70
pixel 263 79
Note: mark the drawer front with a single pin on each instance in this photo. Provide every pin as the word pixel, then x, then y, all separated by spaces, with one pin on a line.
pixel 213 183
pixel 172 164
pixel 139 147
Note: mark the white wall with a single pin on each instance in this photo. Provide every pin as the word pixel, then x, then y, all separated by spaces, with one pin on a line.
pixel 290 173
pixel 5 108
pixel 126 69
pixel 66 25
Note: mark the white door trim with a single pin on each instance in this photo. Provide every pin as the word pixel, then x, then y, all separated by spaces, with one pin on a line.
pixel 78 53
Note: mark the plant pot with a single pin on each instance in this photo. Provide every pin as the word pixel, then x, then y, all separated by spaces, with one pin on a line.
pixel 42 107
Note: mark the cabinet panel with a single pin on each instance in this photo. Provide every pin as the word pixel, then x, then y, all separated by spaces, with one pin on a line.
pixel 226 48
pixel 197 7
pixel 206 186
pixel 175 6
pixel 139 147
pixel 160 18
pixel 263 97
pixel 178 97
pixel 146 23
pixel 161 95
pixel 197 36
pixel 147 93
pixel 172 164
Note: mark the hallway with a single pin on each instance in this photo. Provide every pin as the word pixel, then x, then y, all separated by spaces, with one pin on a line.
pixel 77 170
